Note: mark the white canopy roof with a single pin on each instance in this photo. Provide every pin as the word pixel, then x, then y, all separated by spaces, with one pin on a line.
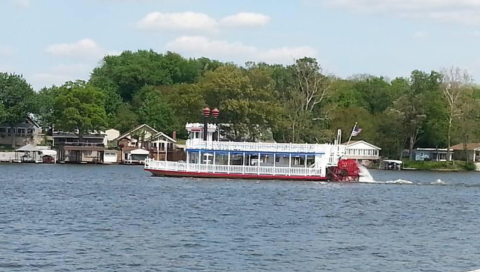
pixel 139 152
pixel 32 148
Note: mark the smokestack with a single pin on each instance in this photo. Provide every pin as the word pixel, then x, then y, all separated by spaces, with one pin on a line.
pixel 174 135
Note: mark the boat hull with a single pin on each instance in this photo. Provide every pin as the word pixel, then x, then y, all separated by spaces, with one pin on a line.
pixel 163 173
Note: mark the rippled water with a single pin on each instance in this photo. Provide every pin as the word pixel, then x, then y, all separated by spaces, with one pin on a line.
pixel 116 218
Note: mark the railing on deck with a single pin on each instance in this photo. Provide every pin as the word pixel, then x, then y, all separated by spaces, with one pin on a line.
pixel 232 169
pixel 265 147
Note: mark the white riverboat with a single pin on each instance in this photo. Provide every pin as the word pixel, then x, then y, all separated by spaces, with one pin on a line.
pixel 209 158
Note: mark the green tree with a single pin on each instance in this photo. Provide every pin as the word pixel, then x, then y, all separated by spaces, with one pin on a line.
pixel 154 110
pixel 455 84
pixel 45 106
pixel 80 108
pixel 467 120
pixel 17 99
pixel 125 118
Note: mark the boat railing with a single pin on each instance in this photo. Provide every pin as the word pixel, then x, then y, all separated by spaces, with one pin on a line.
pixel 233 169
pixel 251 146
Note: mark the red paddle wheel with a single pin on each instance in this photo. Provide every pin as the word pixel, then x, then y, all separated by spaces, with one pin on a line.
pixel 345 171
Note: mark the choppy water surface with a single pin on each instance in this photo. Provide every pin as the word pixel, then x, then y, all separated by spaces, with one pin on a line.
pixel 115 218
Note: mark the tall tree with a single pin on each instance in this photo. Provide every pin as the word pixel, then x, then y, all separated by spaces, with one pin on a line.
pixel 467 120
pixel 455 84
pixel 17 98
pixel 153 109
pixel 80 108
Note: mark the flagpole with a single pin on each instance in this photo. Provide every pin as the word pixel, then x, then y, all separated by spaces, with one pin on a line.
pixel 351 134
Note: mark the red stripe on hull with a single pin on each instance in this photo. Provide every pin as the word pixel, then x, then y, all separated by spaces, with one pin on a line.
pixel 163 173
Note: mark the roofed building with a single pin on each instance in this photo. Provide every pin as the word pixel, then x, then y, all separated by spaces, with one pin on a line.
pixel 362 150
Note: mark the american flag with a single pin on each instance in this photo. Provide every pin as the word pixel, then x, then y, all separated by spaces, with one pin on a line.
pixel 356 131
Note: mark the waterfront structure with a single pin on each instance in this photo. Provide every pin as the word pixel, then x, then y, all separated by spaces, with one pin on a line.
pixel 464 152
pixel 73 149
pixel 35 154
pixel 162 147
pixel 430 154
pixel 362 151
pixel 110 157
pixel 26 132
pixel 135 143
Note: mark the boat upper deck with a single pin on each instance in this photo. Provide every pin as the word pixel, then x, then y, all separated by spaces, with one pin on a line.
pixel 198 144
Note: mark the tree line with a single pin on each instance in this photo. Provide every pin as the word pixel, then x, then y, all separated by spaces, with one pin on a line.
pixel 295 103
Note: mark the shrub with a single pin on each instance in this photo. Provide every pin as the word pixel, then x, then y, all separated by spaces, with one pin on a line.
pixel 470 166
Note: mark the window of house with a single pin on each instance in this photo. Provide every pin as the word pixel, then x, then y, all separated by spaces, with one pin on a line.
pixel 21 131
pixel 30 131
pixel 3 130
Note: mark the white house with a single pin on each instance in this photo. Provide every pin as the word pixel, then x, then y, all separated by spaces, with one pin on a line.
pixel 361 150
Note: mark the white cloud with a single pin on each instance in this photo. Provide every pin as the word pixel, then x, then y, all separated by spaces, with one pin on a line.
pixel 80 49
pixel 245 19
pixel 21 3
pixel 419 35
pixel 198 46
pixel 7 51
pixel 195 21
pixel 59 74
pixel 456 11
pixel 178 21
pixel 287 54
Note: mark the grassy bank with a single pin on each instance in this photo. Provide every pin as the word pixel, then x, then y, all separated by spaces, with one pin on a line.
pixel 439 166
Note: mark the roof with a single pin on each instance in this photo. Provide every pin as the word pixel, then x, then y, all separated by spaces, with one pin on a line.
pixel 161 134
pixel 392 161
pixel 32 148
pixel 352 143
pixel 73 135
pixel 27 148
pixel 139 152
pixel 470 146
pixel 432 149
pixel 135 129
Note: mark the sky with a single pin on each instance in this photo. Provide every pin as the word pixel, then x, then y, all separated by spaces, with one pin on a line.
pixel 53 41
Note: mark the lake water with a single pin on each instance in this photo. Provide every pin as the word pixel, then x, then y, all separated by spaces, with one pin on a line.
pixel 118 218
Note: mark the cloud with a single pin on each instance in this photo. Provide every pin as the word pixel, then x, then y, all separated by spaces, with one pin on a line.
pixel 194 21
pixel 61 73
pixel 245 19
pixel 198 46
pixel 7 51
pixel 21 3
pixel 178 21
pixel 456 11
pixel 419 35
pixel 80 49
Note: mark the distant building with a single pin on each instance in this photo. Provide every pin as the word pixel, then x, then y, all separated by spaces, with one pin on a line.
pixel 362 151
pixel 26 132
pixel 133 142
pixel 111 135
pixel 429 154
pixel 72 149
pixel 472 152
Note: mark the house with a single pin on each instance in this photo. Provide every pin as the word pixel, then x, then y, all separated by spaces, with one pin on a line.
pixel 26 132
pixel 472 152
pixel 162 148
pixel 362 151
pixel 133 141
pixel 72 149
pixel 430 154
pixel 111 135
